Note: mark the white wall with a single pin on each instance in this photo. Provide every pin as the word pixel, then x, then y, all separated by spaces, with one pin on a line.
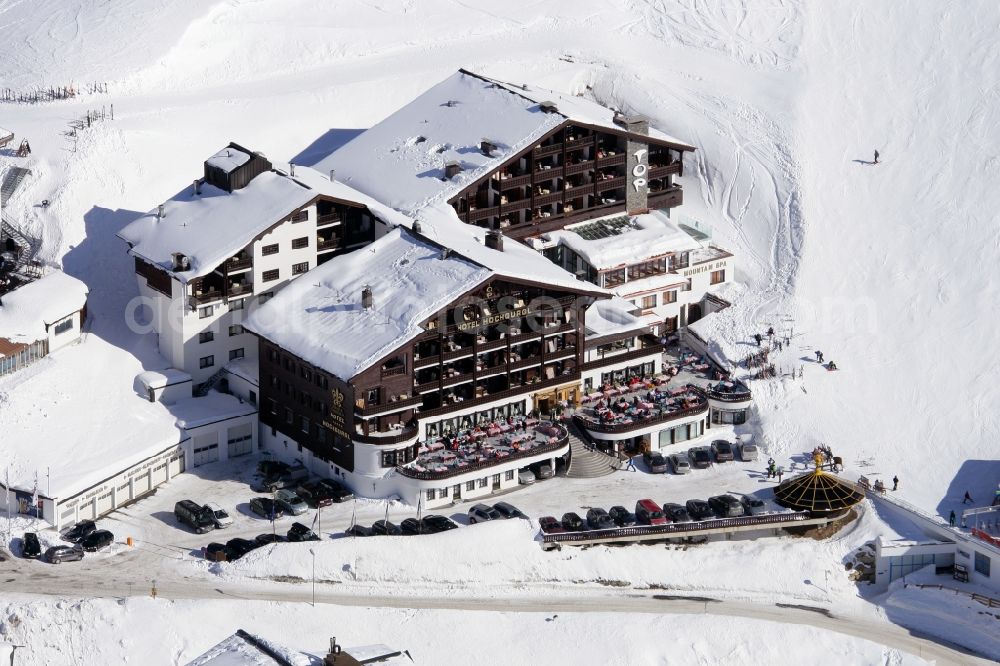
pixel 67 337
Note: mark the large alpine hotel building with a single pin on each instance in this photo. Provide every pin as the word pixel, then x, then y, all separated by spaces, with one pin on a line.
pixel 483 255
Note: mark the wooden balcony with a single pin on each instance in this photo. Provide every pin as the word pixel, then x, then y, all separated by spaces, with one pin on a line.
pixel 239 264
pixel 514 181
pixel 327 245
pixel 483 213
pixel 546 199
pixel 455 380
pixel 579 168
pixel 575 144
pixel 392 437
pixel 610 184
pixel 426 361
pixel 669 198
pixel 551 149
pixel 661 171
pixel 391 406
pixel 393 371
pixel 611 160
pixel 635 354
pixel 327 220
pixel 207 296
pixel 502 395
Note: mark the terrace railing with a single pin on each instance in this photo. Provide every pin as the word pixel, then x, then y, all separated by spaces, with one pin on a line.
pixel 614 428
pixel 428 475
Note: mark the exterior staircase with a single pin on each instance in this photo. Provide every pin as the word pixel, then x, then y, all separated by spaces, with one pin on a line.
pixel 28 247
pixel 585 461
pixel 12 179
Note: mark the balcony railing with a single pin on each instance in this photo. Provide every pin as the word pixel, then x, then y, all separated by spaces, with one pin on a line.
pixel 501 395
pixel 237 264
pixel 391 406
pixel 668 198
pixel 666 170
pixel 394 437
pixel 579 167
pixel 642 423
pixel 610 183
pixel 477 214
pixel 735 395
pixel 551 149
pixel 426 361
pixel 514 181
pixel 427 475
pixel 324 245
pixel 611 160
pixel 393 371
pixel 642 352
pixel 329 218
pixel 207 296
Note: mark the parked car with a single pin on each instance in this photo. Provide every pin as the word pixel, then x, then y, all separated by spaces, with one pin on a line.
pixel 525 477
pixel 598 519
pixel 272 468
pixel 622 516
pixel 726 506
pixel 194 516
pixel 97 540
pixel 386 528
pixel 78 531
pixel 269 537
pixel 220 516
pixel 572 522
pixel 699 509
pixel 549 525
pixel 680 464
pixel 338 493
pixel 265 507
pixel 655 461
pixel 58 554
pixel 700 457
pixel 290 503
pixel 433 524
pixel 215 552
pixel 748 452
pixel 722 450
pixel 542 470
pixel 753 506
pixel 410 527
pixel 648 512
pixel 237 548
pixel 358 530
pixel 270 484
pixel 509 510
pixel 30 547
pixel 299 532
pixel 481 513
pixel 315 493
pixel 676 513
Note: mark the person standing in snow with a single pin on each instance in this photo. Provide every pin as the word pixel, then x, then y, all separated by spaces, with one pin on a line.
pixel 876 157
pixel 968 498
pixel 951 518
pixel 895 482
pixel 758 337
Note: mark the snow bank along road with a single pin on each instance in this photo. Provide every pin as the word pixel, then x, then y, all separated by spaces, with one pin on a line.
pixel 16 577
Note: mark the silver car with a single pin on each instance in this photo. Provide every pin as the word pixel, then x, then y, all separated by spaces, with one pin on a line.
pixel 290 502
pixel 748 452
pixel 679 463
pixel 754 506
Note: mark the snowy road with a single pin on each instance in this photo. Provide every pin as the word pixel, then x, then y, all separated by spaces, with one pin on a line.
pixel 56 581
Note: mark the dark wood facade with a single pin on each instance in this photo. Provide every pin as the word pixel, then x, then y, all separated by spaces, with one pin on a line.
pixel 239 177
pixel 574 173
pixel 156 277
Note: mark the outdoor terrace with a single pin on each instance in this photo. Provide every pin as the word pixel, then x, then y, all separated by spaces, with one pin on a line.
pixel 644 402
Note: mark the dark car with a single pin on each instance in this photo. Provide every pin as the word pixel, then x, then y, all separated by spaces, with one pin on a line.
pixel 410 527
pixel 237 548
pixel 315 493
pixel 30 547
pixel 572 522
pixel 268 537
pixel 701 457
pixel 215 552
pixel 723 451
pixel 509 510
pixel 655 461
pixel 97 540
pixel 57 554
pixel 482 513
pixel 384 527
pixel 299 532
pixel 753 506
pixel 622 516
pixel 598 519
pixel 272 468
pixel 726 506
pixel 197 517
pixel 550 525
pixel 358 531
pixel 676 513
pixel 76 533
pixel 337 491
pixel 265 507
pixel 699 509
pixel 434 523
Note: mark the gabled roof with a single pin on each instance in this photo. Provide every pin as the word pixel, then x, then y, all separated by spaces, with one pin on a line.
pixel 400 161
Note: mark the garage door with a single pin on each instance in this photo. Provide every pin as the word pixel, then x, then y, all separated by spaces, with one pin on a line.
pixel 159 474
pixel 176 465
pixel 104 503
pixel 205 454
pixel 240 440
pixel 140 484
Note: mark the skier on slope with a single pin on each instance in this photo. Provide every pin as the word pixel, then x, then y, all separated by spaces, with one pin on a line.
pixel 876 157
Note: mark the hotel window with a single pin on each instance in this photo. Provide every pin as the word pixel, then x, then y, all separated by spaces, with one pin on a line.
pixel 983 564
pixel 64 326
pixel 509 475
pixel 471 485
pixel 206 361
pixel 253 398
pixel 289 416
pixel 483 482
pixel 205 336
pixel 265 297
pixel 272 353
pixel 430 494
pixel 718 276
pixel 299 269
pixel 301 216
pixel 272 406
pixel 442 493
pixel 268 276
pixel 300 243
pixel 236 304
pixel 205 312
pixel 304 424
pixel 614 278
pixel 306 373
pixel 237 329
pixel 269 249
pixel 670 296
pixel 235 354
pixel 670 324
pixel 648 302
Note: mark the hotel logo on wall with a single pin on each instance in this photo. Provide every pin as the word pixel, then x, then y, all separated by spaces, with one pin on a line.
pixel 336 421
pixel 641 169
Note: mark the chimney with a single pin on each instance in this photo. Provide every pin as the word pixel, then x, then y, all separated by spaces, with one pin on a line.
pixel 197 186
pixel 619 118
pixel 416 227
pixel 331 657
pixel 333 175
pixel 291 169
pixel 367 299
pixel 637 124
pixel 180 261
pixel 487 147
pixel 494 240
pixel 549 107
pixel 160 213
pixel 452 169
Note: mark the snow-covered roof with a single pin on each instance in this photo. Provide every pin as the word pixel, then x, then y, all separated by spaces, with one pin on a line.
pixel 400 161
pixel 212 226
pixel 244 649
pixel 611 317
pixel 228 159
pixel 244 368
pixel 26 311
pixel 211 408
pixel 619 240
pixel 320 317
pixel 157 379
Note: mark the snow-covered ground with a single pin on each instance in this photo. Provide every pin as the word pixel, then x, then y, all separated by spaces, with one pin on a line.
pixel 886 268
